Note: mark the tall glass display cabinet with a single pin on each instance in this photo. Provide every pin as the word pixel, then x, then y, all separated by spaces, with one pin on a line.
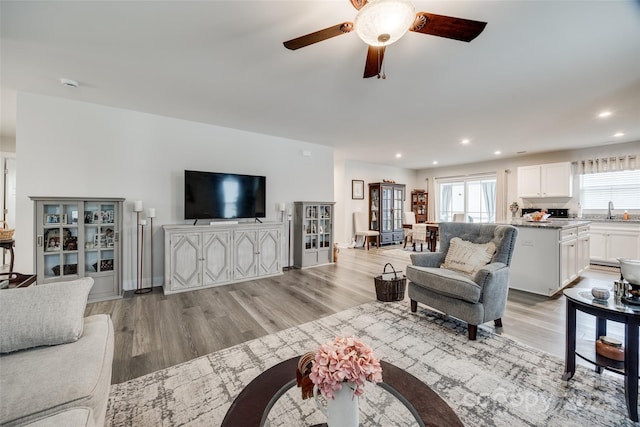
pixel 419 205
pixel 386 209
pixel 79 237
pixel 312 234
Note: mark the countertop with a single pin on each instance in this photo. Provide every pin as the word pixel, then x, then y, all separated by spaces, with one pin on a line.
pixel 557 224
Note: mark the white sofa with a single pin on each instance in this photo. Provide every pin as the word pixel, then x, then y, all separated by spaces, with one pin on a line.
pixel 55 364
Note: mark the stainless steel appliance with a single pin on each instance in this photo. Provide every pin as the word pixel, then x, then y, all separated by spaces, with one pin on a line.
pixel 529 210
pixel 558 213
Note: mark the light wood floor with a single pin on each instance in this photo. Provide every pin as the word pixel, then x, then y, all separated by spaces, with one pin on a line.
pixel 153 331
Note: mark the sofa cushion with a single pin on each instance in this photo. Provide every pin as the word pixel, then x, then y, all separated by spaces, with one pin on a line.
pixel 42 381
pixel 446 282
pixel 468 257
pixel 42 315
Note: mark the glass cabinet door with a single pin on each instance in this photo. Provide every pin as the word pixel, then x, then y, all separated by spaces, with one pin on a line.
pixel 99 237
pixel 311 227
pixel 374 197
pixel 398 197
pixel 324 226
pixel 387 209
pixel 60 240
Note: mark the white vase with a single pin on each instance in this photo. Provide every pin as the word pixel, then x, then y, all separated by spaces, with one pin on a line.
pixel 342 410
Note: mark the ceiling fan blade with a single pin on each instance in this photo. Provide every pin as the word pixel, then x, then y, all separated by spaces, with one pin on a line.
pixel 358 4
pixel 319 36
pixel 447 26
pixel 372 67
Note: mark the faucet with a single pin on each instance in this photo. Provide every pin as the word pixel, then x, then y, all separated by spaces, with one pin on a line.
pixel 609 215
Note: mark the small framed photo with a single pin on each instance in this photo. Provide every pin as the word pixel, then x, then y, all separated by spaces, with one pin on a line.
pixel 357 189
pixel 52 219
pixel 52 240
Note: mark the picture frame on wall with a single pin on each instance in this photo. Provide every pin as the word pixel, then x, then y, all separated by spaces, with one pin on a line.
pixel 357 189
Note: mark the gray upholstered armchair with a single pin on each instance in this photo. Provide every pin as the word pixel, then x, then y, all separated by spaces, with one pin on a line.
pixel 480 294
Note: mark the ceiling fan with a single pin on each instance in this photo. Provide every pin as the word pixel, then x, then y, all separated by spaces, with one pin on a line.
pixel 382 22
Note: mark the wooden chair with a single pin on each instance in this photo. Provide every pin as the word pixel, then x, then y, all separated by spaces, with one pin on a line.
pixel 362 229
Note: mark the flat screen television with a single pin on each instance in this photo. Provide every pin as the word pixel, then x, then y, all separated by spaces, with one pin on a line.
pixel 212 195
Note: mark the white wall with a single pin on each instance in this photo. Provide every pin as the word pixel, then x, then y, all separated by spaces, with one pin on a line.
pixel 7 144
pixel 512 164
pixel 347 170
pixel 69 148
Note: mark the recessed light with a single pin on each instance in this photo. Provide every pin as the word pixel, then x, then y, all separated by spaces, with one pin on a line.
pixel 398 155
pixel 465 141
pixel 604 114
pixel 618 134
pixel 435 162
pixel 69 83
pixel 497 152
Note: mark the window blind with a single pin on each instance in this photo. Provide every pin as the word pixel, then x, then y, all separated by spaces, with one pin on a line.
pixel 622 188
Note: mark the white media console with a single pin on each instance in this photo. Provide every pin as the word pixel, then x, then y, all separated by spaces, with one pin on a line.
pixel 197 257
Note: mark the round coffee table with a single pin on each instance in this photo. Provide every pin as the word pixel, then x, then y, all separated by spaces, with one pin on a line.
pixel 253 404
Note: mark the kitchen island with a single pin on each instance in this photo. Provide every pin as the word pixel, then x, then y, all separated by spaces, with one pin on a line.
pixel 549 255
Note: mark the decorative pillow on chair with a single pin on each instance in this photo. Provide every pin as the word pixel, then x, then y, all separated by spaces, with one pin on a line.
pixel 467 257
pixel 43 315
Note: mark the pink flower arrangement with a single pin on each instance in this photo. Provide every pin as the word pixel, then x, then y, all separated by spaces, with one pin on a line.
pixel 345 359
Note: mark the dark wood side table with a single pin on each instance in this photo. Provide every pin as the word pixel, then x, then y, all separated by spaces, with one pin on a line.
pixel 8 244
pixel 581 299
pixel 17 280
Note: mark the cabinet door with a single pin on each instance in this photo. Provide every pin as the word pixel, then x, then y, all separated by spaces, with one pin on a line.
pixel 246 249
pixel 556 180
pixel 398 208
pixel 386 209
pixel 102 246
pixel 269 252
pixel 583 252
pixel 598 245
pixel 529 181
pixel 216 248
pixel 622 244
pixel 568 262
pixel 58 236
pixel 374 211
pixel 186 261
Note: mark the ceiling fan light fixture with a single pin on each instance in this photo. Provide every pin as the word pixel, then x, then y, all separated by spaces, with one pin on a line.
pixel 382 22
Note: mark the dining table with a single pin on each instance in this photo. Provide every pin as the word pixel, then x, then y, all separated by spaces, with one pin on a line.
pixel 425 232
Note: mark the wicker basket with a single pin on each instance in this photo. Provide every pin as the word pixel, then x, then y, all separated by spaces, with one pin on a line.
pixel 389 286
pixel 6 233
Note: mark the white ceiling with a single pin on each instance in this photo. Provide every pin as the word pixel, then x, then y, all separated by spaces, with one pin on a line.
pixel 533 81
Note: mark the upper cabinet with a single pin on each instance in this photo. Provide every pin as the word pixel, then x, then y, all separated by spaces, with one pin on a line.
pixel 550 180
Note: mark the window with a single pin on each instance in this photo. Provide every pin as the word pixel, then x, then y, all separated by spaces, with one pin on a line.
pixel 473 199
pixel 620 187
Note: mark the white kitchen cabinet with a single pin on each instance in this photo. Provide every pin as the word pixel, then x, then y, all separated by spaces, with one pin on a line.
pixel 199 257
pixel 547 259
pixel 568 256
pixel 613 240
pixel 549 180
pixel 584 248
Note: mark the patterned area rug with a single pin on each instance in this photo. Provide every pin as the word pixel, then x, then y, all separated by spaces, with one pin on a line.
pixel 493 381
